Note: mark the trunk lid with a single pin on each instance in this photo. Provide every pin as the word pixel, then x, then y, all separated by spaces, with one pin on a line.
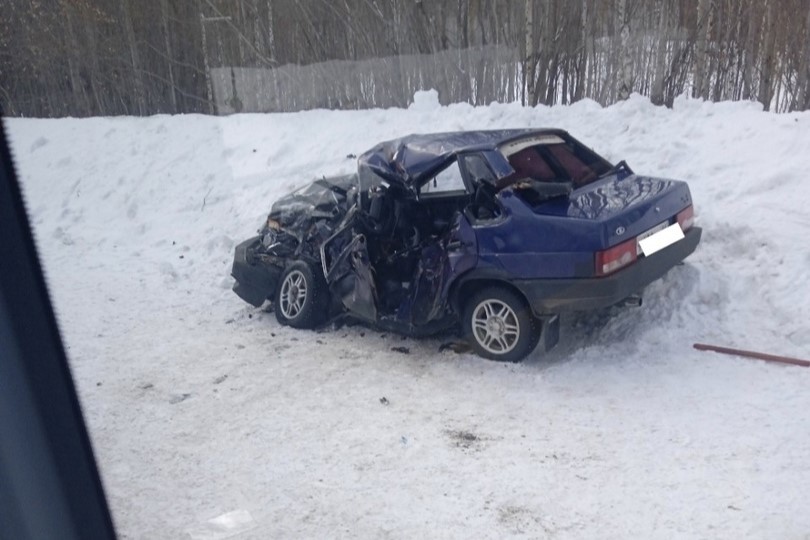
pixel 623 208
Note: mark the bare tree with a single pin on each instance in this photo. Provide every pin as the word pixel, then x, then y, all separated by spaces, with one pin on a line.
pixel 657 89
pixel 626 59
pixel 90 57
pixel 530 58
pixel 801 94
pixel 134 56
pixel 705 24
pixel 768 60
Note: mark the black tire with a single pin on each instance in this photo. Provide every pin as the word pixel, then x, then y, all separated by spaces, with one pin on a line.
pixel 499 325
pixel 302 296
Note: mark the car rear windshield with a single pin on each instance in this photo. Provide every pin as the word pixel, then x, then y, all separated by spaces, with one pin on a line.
pixel 561 161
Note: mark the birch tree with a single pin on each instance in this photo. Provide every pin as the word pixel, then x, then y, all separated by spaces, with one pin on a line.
pixel 106 57
pixel 768 60
pixel 530 58
pixel 625 59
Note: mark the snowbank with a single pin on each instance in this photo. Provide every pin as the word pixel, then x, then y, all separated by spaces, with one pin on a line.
pixel 199 405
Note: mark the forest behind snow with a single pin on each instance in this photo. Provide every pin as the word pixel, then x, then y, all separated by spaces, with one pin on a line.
pixel 128 57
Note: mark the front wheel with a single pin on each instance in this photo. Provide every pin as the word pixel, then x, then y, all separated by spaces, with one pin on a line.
pixel 500 326
pixel 302 298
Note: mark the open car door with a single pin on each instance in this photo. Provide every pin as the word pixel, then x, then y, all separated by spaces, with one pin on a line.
pixel 440 264
pixel 348 272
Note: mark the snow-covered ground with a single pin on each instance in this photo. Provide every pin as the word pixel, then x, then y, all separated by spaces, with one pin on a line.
pixel 199 405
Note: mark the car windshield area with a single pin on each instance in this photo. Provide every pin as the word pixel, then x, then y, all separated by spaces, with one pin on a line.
pixel 552 159
pixel 448 181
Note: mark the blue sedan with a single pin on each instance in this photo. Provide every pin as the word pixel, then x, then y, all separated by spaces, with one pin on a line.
pixel 494 233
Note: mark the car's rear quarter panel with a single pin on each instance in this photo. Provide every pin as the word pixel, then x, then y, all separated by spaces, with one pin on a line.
pixel 559 238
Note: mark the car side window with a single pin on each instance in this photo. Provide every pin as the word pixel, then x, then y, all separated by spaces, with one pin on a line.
pixel 447 180
pixel 478 169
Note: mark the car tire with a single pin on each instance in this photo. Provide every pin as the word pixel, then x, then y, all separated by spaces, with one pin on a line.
pixel 499 325
pixel 302 297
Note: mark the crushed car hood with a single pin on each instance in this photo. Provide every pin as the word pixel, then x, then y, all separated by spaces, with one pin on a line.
pixel 412 159
pixel 326 198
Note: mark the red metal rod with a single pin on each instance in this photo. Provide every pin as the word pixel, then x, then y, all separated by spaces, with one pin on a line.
pixel 752 354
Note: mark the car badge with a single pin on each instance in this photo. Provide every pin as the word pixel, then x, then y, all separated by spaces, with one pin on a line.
pixel 620 230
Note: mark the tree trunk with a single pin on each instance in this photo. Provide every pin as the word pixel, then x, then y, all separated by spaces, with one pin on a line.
pixel 240 46
pixel 209 87
pixel 271 37
pixel 657 90
pixel 751 51
pixel 543 22
pixel 94 70
pixel 73 53
pixel 739 55
pixel 134 57
pixel 801 96
pixel 625 59
pixel 765 93
pixel 582 58
pixel 530 59
pixel 710 58
pixel 703 49
pixel 164 16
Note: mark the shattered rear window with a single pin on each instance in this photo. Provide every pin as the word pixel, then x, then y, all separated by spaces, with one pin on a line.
pixel 553 161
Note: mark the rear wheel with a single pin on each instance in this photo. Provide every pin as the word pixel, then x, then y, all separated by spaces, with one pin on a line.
pixel 500 326
pixel 302 298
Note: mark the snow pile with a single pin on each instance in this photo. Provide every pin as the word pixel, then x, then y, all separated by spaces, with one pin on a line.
pixel 200 405
pixel 425 100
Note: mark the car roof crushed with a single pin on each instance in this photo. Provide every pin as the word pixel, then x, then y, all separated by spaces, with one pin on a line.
pixel 412 159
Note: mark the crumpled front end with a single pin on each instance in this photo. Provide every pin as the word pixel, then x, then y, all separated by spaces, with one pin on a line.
pixel 300 222
pixel 295 229
pixel 255 279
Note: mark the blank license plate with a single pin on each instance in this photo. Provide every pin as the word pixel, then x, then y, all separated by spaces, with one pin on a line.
pixel 660 239
pixel 647 234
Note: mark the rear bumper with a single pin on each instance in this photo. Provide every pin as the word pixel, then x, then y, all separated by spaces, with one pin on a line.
pixel 557 295
pixel 255 282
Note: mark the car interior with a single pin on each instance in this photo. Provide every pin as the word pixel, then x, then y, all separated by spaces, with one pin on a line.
pixel 401 226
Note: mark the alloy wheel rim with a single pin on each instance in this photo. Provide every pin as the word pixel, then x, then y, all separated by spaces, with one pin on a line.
pixel 495 326
pixel 293 294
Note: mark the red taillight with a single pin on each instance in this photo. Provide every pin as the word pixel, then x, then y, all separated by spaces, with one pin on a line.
pixel 617 257
pixel 686 218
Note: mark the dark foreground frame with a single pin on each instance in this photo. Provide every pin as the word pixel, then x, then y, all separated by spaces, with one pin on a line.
pixel 49 484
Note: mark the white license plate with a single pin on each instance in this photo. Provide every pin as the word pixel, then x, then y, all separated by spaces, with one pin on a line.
pixel 659 239
pixel 647 234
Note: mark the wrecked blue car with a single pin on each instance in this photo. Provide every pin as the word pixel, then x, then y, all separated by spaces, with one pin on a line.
pixel 494 233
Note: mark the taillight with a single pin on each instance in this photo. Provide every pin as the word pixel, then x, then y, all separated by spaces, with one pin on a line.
pixel 617 257
pixel 686 218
